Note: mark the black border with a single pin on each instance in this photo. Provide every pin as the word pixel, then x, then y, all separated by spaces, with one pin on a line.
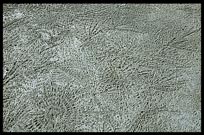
pixel 96 2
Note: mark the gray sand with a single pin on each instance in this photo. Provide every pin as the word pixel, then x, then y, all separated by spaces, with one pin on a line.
pixel 102 68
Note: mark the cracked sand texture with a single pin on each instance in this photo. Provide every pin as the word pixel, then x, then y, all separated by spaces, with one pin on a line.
pixel 102 67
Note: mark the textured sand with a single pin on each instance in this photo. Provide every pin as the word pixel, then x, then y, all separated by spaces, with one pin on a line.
pixel 102 68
